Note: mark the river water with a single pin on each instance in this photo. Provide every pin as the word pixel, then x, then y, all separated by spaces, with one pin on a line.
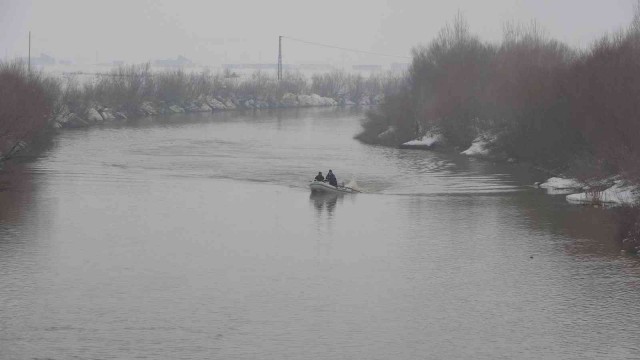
pixel 196 237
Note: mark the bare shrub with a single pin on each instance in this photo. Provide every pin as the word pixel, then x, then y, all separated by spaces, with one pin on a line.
pixel 225 85
pixel 200 85
pixel 384 84
pixel 127 87
pixel 294 83
pixel 522 90
pixel 77 98
pixel 259 86
pixel 171 86
pixel 333 84
pixel 25 104
pixel 447 79
pixel 355 88
pixel 380 120
pixel 124 87
pixel 531 101
pixel 605 92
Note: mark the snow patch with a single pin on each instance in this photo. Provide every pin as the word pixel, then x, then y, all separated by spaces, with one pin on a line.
pixel 429 139
pixel 230 105
pixel 197 107
pixel 204 107
pixel 390 131
pixel 618 194
pixel 289 100
pixel 315 100
pixel 94 116
pixel 107 115
pixel 148 109
pixel 480 145
pixel 557 183
pixel 176 109
pixel 249 103
pixel 216 104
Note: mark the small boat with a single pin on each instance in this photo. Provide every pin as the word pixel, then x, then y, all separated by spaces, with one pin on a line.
pixel 321 186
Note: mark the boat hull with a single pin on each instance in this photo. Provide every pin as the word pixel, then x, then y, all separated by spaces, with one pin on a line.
pixel 324 187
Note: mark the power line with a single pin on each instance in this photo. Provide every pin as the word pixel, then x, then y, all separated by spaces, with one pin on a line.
pixel 64 73
pixel 345 49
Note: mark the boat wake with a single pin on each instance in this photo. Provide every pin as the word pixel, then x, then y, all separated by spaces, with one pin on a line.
pixel 354 185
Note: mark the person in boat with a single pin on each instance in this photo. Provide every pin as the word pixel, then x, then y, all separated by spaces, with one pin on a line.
pixel 319 177
pixel 331 178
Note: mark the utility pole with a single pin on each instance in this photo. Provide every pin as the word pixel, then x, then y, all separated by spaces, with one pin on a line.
pixel 29 61
pixel 279 57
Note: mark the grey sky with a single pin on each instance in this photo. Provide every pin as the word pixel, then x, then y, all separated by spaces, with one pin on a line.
pixel 215 32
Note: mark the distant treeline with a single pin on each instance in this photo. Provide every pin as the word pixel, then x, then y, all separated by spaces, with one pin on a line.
pixel 31 102
pixel 127 87
pixel 545 102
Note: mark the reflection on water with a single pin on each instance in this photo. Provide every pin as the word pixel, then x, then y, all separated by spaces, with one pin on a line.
pixel 592 230
pixel 16 192
pixel 324 202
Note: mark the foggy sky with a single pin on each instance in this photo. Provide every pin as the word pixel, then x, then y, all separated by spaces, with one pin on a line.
pixel 241 31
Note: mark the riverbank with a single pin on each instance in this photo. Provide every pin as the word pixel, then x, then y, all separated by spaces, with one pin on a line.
pixel 26 105
pixel 33 102
pixel 135 91
pixel 98 114
pixel 528 99
pixel 616 193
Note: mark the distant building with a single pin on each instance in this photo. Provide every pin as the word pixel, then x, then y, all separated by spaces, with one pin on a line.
pixel 274 66
pixel 315 67
pixel 42 60
pixel 400 66
pixel 366 67
pixel 252 66
pixel 178 62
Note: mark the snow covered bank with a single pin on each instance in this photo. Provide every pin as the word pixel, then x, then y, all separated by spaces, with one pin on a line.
pixel 480 145
pixel 618 194
pixel 315 100
pixel 558 183
pixel 97 113
pixel 561 186
pixel 611 191
pixel 428 141
pixel 391 130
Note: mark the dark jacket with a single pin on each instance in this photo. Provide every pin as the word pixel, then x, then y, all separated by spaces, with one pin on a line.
pixel 332 179
pixel 319 177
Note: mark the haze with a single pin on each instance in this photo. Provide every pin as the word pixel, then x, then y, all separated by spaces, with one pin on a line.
pixel 210 32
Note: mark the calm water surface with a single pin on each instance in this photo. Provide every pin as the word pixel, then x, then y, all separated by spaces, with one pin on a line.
pixel 196 238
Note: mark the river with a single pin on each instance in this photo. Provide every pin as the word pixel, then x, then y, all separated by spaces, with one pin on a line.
pixel 196 237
